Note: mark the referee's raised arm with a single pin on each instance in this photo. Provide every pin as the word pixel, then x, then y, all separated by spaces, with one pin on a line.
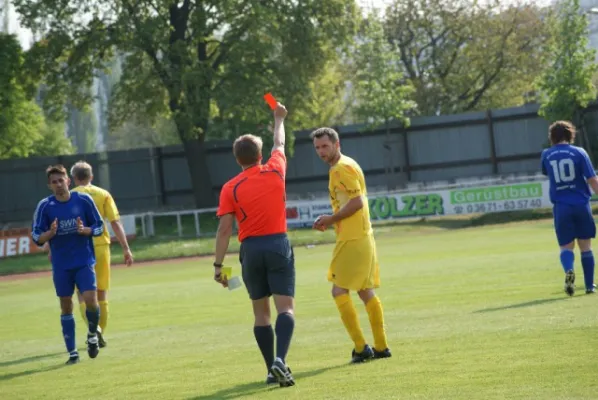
pixel 256 198
pixel 279 134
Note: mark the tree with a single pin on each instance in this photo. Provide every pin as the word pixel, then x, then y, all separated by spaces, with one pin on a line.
pixel 54 140
pixel 327 104
pixel 466 55
pixel 19 121
pixel 23 129
pixel 131 135
pixel 382 93
pixel 82 126
pixel 566 86
pixel 200 63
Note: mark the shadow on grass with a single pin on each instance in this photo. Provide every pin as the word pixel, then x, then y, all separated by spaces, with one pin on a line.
pixel 521 305
pixel 448 224
pixel 28 359
pixel 8 377
pixel 246 389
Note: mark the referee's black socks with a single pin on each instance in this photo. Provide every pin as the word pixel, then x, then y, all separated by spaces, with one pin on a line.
pixel 264 336
pixel 285 324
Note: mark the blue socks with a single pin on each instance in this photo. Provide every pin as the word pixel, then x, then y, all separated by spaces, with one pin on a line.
pixel 68 329
pixel 567 259
pixel 68 332
pixel 93 317
pixel 587 263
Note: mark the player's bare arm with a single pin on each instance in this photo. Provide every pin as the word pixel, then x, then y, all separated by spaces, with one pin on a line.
pixel 280 112
pixel 593 182
pixel 119 231
pixel 225 231
pixel 352 206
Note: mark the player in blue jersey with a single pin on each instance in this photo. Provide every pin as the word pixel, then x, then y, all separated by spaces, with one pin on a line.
pixel 67 221
pixel 569 171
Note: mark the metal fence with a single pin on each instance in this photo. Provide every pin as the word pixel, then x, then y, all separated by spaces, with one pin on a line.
pixel 444 148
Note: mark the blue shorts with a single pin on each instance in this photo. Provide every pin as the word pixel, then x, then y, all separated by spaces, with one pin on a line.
pixel 268 266
pixel 573 222
pixel 66 279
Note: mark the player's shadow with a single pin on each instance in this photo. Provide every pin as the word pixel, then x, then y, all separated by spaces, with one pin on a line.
pixel 28 359
pixel 8 377
pixel 246 389
pixel 521 305
pixel 447 224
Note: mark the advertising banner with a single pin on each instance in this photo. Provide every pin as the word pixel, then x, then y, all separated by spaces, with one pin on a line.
pixel 16 242
pixel 470 200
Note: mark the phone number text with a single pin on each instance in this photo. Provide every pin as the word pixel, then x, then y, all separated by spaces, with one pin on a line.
pixel 496 206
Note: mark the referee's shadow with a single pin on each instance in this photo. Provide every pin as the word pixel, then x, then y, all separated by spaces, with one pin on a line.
pixel 246 389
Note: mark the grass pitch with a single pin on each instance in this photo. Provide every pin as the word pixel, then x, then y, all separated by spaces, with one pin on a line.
pixel 476 313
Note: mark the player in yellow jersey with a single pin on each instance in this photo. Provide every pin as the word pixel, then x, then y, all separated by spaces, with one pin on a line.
pixel 354 264
pixel 82 175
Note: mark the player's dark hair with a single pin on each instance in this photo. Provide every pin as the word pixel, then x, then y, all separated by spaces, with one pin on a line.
pixel 247 149
pixel 81 171
pixel 561 131
pixel 328 132
pixel 55 169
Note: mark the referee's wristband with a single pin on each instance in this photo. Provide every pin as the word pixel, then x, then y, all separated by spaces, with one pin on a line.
pixel 217 265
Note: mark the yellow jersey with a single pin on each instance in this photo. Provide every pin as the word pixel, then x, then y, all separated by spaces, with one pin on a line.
pixel 347 182
pixel 106 206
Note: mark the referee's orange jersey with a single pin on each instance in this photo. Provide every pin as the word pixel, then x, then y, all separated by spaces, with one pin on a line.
pixel 257 198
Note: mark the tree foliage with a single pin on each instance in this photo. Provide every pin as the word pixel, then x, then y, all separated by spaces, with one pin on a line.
pixel 203 64
pixel 464 55
pixel 131 135
pixel 54 140
pixel 382 92
pixel 566 86
pixel 327 104
pixel 23 128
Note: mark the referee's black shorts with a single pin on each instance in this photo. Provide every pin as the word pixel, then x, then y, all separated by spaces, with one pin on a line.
pixel 268 266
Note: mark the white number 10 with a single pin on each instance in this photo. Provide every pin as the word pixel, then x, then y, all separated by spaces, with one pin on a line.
pixel 563 170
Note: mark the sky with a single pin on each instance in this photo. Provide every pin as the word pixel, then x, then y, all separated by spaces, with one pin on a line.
pixel 25 35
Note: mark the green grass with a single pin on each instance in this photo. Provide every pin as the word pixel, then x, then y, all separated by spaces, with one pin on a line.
pixel 166 244
pixel 475 313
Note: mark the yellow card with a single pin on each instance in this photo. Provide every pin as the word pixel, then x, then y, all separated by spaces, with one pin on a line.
pixel 227 271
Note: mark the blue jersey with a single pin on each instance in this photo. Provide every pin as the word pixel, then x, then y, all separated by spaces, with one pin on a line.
pixel 568 168
pixel 69 248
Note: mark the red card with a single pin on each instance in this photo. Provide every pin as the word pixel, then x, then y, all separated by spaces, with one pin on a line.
pixel 270 100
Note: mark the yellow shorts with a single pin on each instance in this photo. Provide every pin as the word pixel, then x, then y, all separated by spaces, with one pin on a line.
pixel 354 264
pixel 103 266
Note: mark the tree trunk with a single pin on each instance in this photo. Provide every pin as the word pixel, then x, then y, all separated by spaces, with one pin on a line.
pixel 199 172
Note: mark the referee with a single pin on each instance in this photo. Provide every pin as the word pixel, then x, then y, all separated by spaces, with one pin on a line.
pixel 256 198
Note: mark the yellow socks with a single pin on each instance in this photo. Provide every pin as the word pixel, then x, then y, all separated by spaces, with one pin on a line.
pixel 374 309
pixel 83 308
pixel 103 315
pixel 349 316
